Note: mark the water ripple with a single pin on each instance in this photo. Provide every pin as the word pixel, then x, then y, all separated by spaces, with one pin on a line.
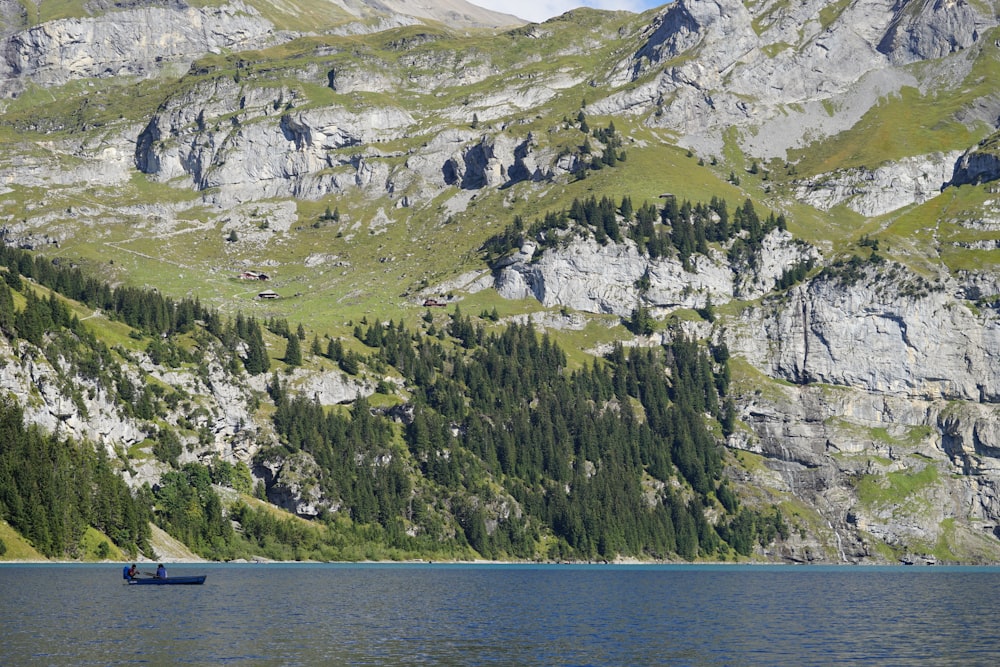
pixel 502 615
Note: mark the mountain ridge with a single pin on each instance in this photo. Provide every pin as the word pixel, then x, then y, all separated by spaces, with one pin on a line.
pixel 367 172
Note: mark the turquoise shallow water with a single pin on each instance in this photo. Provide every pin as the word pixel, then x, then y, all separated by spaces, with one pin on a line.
pixel 422 614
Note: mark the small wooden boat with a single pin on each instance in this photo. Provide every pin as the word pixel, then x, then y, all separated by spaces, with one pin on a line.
pixel 157 581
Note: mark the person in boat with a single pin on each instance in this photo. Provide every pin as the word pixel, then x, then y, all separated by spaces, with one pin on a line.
pixel 133 572
pixel 161 572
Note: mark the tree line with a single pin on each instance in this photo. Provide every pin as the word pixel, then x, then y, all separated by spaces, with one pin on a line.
pixel 578 452
pixel 677 228
pixel 52 489
pixel 145 310
pixel 501 449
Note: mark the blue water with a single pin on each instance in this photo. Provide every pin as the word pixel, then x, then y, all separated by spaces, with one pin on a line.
pixel 421 614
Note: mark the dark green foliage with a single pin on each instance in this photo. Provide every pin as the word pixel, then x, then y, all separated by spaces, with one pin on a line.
pixel 501 445
pixel 567 448
pixel 612 144
pixel 626 208
pixel 600 217
pixel 846 272
pixel 794 274
pixel 189 509
pixel 728 420
pixel 7 313
pixel 726 497
pixel 51 490
pixel 279 327
pixel 167 447
pixel 748 527
pixel 334 349
pixel 349 363
pixel 283 537
pixel 293 351
pixel 707 312
pixel 355 454
pixel 333 216
pixel 641 323
pixel 684 228
pixel 249 332
pixel 237 477
pixel 463 329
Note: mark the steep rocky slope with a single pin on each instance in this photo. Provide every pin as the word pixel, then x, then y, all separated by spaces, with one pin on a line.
pixel 868 389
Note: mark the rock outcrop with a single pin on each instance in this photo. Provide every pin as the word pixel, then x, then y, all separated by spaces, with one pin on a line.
pixel 292 483
pixel 54 395
pixel 891 375
pixel 889 187
pixel 590 277
pixel 775 71
pixel 836 448
pixel 145 37
pixel 137 41
pixel 882 330
pixel 978 165
pixel 934 30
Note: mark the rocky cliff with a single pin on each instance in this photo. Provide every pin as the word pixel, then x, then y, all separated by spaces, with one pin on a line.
pixel 605 278
pixel 778 68
pixel 874 373
pixel 884 371
pixel 137 41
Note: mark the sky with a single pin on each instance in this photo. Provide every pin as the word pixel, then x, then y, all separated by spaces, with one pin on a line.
pixel 540 10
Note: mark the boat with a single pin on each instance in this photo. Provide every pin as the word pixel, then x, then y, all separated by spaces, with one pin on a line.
pixel 157 581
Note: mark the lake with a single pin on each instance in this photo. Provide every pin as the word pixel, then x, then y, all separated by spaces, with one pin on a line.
pixel 430 614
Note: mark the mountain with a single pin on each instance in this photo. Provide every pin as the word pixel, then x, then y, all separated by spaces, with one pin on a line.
pixel 808 190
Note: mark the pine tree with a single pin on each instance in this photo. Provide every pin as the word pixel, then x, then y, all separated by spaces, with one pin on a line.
pixel 293 353
pixel 7 313
pixel 256 361
pixel 626 208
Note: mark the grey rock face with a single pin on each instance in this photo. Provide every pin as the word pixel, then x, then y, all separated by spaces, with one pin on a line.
pixel 57 400
pixel 874 192
pixel 265 150
pixel 494 162
pixel 774 70
pixel 293 484
pixel 450 12
pixel 934 29
pixel 137 41
pixel 818 441
pixel 976 166
pixel 898 335
pixel 595 278
pixel 265 147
